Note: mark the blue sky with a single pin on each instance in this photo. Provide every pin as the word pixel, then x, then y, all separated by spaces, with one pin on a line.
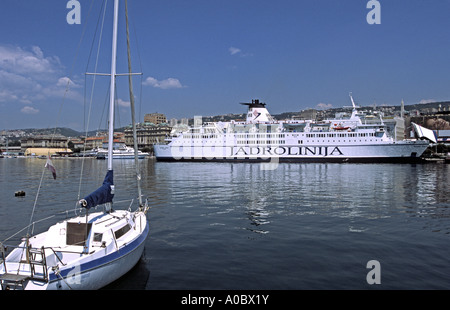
pixel 203 57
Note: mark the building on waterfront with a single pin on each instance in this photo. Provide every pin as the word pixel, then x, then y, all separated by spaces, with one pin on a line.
pixel 173 122
pixel 155 118
pixel 443 136
pixel 44 141
pixel 45 145
pixel 306 114
pixel 101 141
pixel 11 150
pixel 76 143
pixel 147 134
pixel 94 142
pixel 47 151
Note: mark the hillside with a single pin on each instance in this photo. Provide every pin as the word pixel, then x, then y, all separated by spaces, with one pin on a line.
pixel 63 131
pixel 67 132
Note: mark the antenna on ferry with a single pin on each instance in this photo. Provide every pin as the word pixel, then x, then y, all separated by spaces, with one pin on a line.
pixel 353 102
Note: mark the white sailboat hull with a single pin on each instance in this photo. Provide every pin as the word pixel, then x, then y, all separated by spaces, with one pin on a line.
pixel 104 271
pixel 89 271
pixel 94 278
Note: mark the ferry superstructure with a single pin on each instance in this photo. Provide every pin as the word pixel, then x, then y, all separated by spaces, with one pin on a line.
pixel 261 138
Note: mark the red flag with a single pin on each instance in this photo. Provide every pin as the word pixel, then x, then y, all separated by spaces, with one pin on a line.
pixel 50 167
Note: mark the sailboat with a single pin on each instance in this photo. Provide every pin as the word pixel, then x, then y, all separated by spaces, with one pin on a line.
pixel 88 251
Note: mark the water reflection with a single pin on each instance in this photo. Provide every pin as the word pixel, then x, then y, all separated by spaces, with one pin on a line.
pixel 257 198
pixel 219 219
pixel 348 191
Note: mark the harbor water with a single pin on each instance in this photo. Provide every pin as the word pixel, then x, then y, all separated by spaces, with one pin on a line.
pixel 249 226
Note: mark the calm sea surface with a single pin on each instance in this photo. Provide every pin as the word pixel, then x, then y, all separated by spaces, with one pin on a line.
pixel 238 226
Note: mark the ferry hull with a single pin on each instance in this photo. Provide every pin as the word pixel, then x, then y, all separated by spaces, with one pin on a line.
pixel 406 160
pixel 404 152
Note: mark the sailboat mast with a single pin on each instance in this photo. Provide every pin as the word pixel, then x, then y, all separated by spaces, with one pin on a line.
pixel 133 119
pixel 112 86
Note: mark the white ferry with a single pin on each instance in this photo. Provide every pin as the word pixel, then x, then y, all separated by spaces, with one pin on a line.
pixel 263 139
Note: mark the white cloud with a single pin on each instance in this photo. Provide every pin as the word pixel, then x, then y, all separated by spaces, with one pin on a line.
pixel 38 52
pixel 163 84
pixel 7 96
pixel 29 110
pixel 123 103
pixel 27 76
pixel 427 101
pixel 20 61
pixel 65 81
pixel 238 52
pixel 324 106
pixel 17 88
pixel 234 50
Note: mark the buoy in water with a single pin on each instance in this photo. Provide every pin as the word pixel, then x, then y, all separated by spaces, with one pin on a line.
pixel 19 194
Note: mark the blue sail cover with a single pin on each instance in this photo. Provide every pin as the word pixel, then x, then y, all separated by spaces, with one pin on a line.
pixel 102 194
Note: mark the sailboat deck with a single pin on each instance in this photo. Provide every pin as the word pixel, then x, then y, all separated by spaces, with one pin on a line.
pixel 74 239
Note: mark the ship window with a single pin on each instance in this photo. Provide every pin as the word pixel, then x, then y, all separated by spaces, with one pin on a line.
pixel 122 231
pixel 98 237
pixel 77 233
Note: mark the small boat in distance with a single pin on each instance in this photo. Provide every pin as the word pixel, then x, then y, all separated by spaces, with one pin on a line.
pixel 120 151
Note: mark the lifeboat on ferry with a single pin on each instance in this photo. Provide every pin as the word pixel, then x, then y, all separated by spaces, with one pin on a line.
pixel 341 128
